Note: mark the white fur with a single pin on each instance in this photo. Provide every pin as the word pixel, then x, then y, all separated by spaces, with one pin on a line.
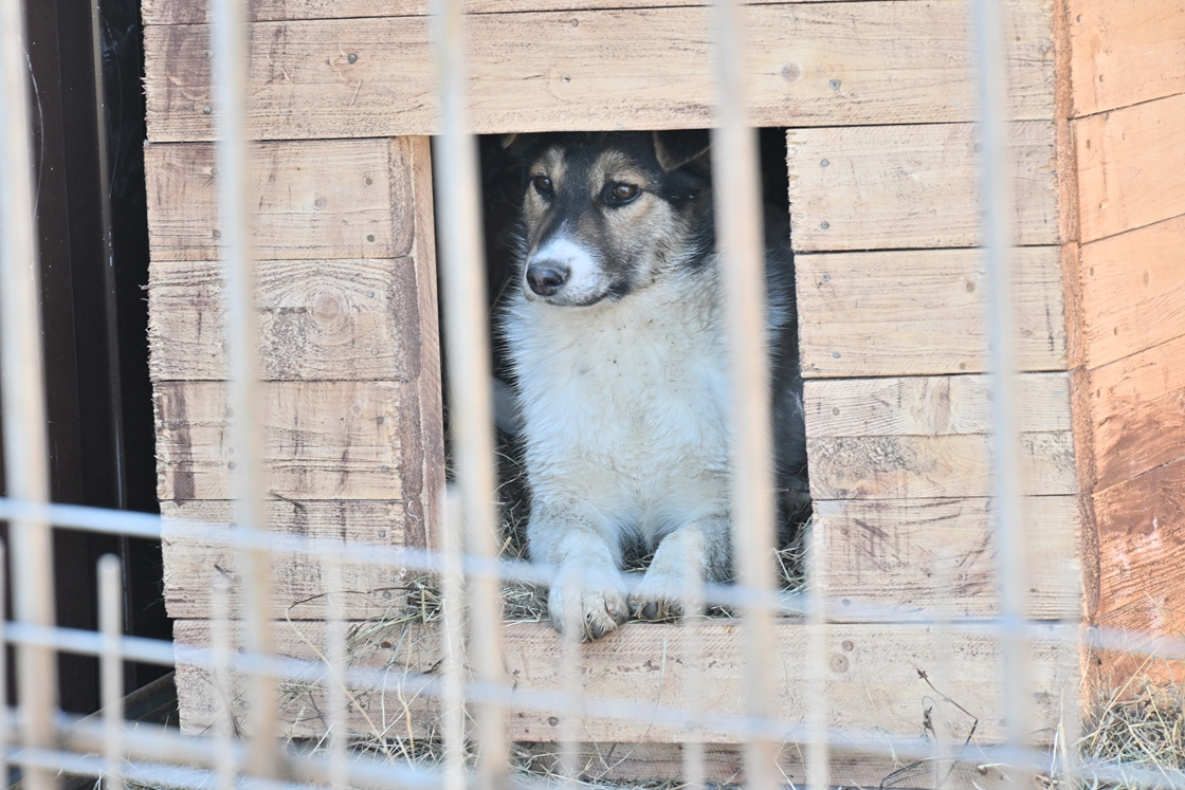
pixel 586 278
pixel 625 406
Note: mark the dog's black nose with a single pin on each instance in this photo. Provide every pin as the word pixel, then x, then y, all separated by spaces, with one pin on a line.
pixel 546 279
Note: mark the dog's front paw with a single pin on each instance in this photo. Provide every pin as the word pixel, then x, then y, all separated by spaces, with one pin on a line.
pixel 591 604
pixel 658 597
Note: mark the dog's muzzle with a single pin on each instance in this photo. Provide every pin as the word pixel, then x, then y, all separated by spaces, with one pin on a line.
pixel 546 278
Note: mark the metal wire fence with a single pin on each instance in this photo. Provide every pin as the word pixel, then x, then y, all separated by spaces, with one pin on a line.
pixel 470 685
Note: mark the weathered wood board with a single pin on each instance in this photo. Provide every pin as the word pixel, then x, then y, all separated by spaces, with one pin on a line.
pixel 873 680
pixel 193 563
pixel 724 764
pixel 930 559
pixel 342 319
pixel 926 467
pixel 1137 407
pixel 909 187
pixel 1131 167
pixel 323 440
pixel 1132 291
pixel 811 64
pixel 1124 53
pixel 914 312
pixel 1141 528
pixel 316 200
pixel 930 405
pixel 164 12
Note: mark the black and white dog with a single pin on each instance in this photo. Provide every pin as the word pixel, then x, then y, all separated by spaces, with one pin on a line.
pixel 616 338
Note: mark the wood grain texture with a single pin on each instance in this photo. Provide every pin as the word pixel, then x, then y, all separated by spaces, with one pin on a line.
pixel 928 559
pixel 1133 291
pixel 930 405
pixel 873 681
pixel 429 475
pixel 172 12
pixel 1141 524
pixel 921 312
pixel 1142 583
pixel 323 440
pixel 889 62
pixel 1124 53
pixel 335 320
pixel 1137 408
pixel 724 764
pixel 905 187
pixel 193 564
pixel 928 467
pixel 1131 167
pixel 316 200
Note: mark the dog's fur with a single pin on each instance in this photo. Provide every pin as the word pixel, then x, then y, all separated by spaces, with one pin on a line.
pixel 616 337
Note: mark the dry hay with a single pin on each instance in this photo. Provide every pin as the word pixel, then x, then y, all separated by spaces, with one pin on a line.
pixel 1140 725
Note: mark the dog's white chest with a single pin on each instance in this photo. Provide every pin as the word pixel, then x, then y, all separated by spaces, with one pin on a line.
pixel 626 407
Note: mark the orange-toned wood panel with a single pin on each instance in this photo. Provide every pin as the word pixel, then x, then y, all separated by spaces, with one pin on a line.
pixel 1127 52
pixel 1137 409
pixel 1131 167
pixel 1132 291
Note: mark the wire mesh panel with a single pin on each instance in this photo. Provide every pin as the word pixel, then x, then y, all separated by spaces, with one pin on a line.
pixel 356 607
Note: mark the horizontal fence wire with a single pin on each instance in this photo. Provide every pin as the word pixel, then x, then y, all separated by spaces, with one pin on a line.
pixel 470 683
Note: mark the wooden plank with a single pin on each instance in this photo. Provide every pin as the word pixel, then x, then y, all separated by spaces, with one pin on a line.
pixel 1141 536
pixel 889 62
pixel 1141 527
pixel 194 563
pixel 316 200
pixel 930 467
pixel 930 405
pixel 347 319
pixel 324 440
pixel 1132 291
pixel 172 12
pixel 1131 167
pixel 905 187
pixel 873 681
pixel 927 559
pixel 1137 408
pixel 724 764
pixel 428 476
pixel 921 312
pixel 1125 53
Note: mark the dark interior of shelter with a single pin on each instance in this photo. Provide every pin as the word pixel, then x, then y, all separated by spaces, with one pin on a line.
pixel 88 117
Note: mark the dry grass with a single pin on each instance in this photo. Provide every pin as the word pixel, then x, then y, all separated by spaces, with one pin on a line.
pixel 1140 725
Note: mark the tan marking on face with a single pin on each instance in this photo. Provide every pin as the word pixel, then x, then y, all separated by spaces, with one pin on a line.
pixel 614 166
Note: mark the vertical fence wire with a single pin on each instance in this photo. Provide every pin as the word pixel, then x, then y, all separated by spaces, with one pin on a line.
pixel 467 349
pixel 997 204
pixel 739 230
pixel 111 666
pixel 230 48
pixel 335 670
pixel 4 722
pixel 452 590
pixel 222 685
pixel 26 453
pixel 694 757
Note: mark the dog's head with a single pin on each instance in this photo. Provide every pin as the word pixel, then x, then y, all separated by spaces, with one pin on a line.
pixel 607 214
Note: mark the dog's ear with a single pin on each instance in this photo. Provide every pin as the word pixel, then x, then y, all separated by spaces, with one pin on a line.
pixel 679 148
pixel 507 140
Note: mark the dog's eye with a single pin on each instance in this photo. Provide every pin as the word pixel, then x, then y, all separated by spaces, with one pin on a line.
pixel 618 193
pixel 543 186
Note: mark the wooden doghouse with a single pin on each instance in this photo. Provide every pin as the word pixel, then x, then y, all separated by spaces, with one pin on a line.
pixel 879 100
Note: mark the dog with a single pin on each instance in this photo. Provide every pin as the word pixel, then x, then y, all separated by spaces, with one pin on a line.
pixel 616 339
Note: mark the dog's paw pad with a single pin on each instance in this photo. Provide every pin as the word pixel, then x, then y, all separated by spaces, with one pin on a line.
pixel 656 610
pixel 594 612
